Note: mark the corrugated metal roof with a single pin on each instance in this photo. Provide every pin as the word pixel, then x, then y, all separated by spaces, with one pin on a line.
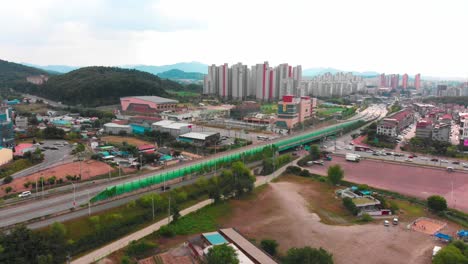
pixel 198 135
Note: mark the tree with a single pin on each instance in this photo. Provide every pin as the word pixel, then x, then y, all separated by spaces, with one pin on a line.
pixel 308 255
pixel 437 203
pixel 335 174
pixel 222 254
pixel 349 204
pixel 269 245
pixel 314 152
pixel 8 189
pixel 450 254
pixel 7 179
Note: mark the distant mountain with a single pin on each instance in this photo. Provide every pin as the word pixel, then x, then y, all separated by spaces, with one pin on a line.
pixel 181 75
pixel 96 86
pixel 183 66
pixel 14 74
pixel 311 72
pixel 54 68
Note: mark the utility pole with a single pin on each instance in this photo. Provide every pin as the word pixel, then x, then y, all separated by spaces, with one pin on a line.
pixel 42 183
pixel 36 187
pixel 89 205
pixel 169 211
pixel 152 200
pixel 74 195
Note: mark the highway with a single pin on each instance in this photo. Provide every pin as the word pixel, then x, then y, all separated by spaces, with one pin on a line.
pixel 51 205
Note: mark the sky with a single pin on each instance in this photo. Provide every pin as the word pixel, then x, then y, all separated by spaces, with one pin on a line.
pixel 392 36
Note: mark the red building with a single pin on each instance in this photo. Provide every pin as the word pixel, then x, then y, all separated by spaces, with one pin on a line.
pixel 405 81
pixel 417 81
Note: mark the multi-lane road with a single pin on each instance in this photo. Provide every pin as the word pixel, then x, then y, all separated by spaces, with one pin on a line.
pixel 34 209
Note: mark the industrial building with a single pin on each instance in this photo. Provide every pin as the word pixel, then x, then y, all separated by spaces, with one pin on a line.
pixel 200 138
pixel 172 127
pixel 147 104
pixel 115 129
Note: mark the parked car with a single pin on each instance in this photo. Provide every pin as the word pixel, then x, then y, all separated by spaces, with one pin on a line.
pixel 386 223
pixel 395 221
pixel 318 162
pixel 24 194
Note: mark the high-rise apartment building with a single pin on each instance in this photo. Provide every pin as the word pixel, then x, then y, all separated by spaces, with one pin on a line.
pixel 240 81
pixel 404 82
pixel 7 134
pixel 382 80
pixel 417 81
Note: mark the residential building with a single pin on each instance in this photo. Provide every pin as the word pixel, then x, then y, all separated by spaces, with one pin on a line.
pixel 147 104
pixel 404 81
pixel 382 81
pixel 7 134
pixel 331 85
pixel 463 133
pixel 393 125
pixel 200 138
pixel 441 132
pixel 417 81
pixel 240 81
pixel 424 129
pixel 21 122
pixel 293 110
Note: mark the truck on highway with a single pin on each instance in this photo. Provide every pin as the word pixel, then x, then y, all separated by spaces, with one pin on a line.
pixel 352 157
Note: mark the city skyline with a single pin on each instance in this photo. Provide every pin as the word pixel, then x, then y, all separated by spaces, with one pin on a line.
pixel 111 33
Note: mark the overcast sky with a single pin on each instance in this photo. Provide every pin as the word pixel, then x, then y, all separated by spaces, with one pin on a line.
pixel 427 36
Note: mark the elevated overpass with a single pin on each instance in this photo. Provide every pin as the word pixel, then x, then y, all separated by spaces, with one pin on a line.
pixel 212 162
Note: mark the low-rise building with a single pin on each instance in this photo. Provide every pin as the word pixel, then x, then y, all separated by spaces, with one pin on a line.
pixel 393 125
pixel 21 122
pixel 115 129
pixel 171 127
pixel 147 104
pixel 424 129
pixel 441 132
pixel 293 110
pixel 200 138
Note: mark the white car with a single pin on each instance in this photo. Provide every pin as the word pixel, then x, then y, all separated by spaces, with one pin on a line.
pixel 24 194
pixel 444 161
pixel 465 165
pixel 409 160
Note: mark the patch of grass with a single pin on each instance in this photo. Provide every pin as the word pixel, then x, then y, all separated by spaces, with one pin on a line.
pixel 31 108
pixel 329 110
pixel 269 108
pixel 410 209
pixel 203 220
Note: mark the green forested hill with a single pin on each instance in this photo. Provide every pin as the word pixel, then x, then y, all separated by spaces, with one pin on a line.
pixel 96 86
pixel 14 74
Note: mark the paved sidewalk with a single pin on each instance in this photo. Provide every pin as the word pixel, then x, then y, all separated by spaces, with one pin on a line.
pixel 123 242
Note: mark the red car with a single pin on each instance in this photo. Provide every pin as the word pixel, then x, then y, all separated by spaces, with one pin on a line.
pixel 410 157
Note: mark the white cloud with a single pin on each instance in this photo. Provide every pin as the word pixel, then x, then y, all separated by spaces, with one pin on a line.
pixel 387 36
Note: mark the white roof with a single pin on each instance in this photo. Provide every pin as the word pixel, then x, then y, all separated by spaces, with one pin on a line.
pixel 198 135
pixel 177 125
pixel 163 123
pixel 116 125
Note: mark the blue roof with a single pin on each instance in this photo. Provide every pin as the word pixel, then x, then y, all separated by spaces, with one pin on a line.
pixel 463 233
pixel 443 236
pixel 215 238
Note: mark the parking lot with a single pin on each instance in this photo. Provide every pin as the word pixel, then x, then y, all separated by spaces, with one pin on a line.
pixel 55 152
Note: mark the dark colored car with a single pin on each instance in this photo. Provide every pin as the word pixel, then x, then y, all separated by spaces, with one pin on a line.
pixel 434 160
pixel 456 162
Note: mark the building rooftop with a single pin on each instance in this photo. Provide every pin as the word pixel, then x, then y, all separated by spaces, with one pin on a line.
pixel 246 246
pixel 365 201
pixel 163 123
pixel 215 238
pixel 177 125
pixel 198 135
pixel 154 99
pixel 116 125
pixel 399 116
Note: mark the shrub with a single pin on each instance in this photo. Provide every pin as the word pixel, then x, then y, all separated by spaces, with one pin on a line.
pixel 305 173
pixel 293 170
pixel 8 189
pixel 138 248
pixel 349 204
pixel 394 207
pixel 269 245
pixel 366 218
pixel 7 179
pixel 437 203
pixel 166 231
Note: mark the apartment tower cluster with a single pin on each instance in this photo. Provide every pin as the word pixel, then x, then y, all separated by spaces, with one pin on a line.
pixel 393 81
pixel 260 81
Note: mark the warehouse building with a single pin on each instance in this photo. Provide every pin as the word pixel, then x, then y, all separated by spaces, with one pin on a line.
pixel 115 129
pixel 200 138
pixel 172 127
pixel 147 104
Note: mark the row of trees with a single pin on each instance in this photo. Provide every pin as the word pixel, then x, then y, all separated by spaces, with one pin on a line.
pixel 306 255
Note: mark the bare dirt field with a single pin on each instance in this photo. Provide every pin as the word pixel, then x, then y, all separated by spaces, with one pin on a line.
pixel 417 181
pixel 282 211
pixel 130 140
pixel 89 169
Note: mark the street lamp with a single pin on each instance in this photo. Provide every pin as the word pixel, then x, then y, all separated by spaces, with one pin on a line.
pixel 74 195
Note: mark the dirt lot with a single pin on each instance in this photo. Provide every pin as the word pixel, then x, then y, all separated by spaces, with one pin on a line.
pixel 89 169
pixel 416 181
pixel 130 140
pixel 282 211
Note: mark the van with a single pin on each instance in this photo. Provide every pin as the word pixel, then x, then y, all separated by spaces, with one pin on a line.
pixel 24 194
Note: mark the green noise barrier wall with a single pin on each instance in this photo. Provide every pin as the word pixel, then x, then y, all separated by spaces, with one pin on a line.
pixel 210 163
